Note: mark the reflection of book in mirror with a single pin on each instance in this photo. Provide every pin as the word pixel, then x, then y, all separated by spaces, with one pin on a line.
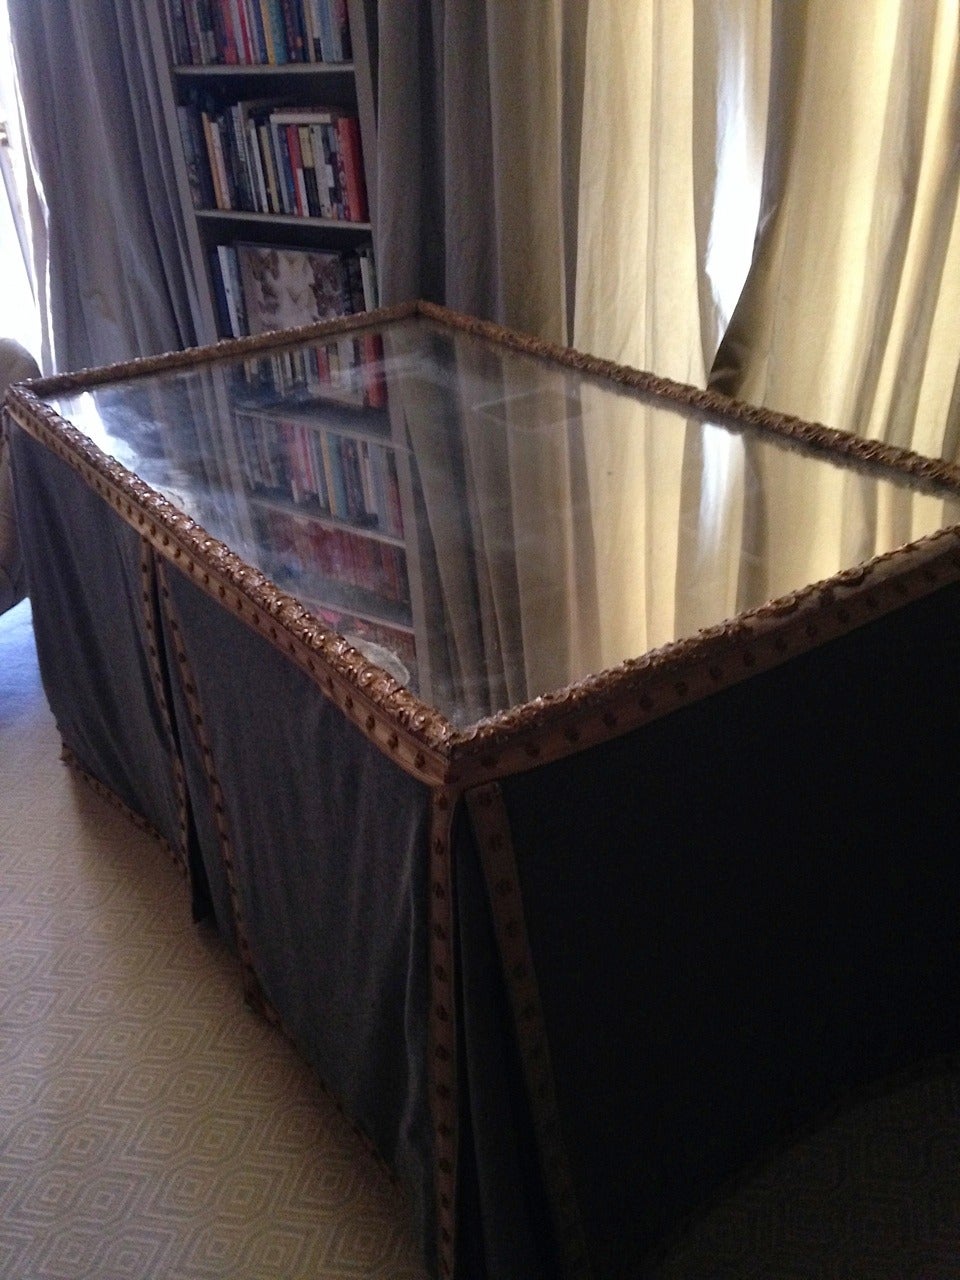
pixel 284 288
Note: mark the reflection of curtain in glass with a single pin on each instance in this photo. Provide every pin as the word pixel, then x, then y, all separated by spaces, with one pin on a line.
pixel 501 468
pixel 525 468
pixel 443 557
pixel 634 473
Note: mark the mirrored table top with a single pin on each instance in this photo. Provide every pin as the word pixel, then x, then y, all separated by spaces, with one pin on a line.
pixel 489 524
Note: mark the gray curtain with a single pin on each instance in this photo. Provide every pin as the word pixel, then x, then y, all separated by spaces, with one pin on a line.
pixel 478 156
pixel 119 285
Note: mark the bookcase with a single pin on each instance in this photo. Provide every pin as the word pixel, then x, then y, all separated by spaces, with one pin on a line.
pixel 243 82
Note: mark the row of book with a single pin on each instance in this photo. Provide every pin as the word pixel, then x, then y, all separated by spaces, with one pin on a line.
pixel 351 478
pixel 307 549
pixel 258 32
pixel 262 157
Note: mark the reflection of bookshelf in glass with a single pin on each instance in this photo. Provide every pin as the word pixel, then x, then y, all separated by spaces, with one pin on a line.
pixel 269 110
pixel 322 477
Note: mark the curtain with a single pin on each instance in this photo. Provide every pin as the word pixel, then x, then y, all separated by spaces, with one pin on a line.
pixel 851 309
pixel 477 157
pixel 117 257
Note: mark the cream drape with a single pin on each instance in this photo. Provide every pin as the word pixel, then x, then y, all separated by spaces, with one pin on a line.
pixel 673 117
pixel 851 310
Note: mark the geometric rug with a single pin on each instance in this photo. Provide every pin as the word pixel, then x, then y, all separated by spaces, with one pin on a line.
pixel 151 1125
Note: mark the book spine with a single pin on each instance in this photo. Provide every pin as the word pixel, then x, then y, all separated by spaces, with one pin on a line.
pixel 190 157
pixel 348 137
pixel 341 22
pixel 340 174
pixel 255 161
pixel 255 25
pixel 225 43
pixel 368 276
pixel 321 171
pixel 224 324
pixel 306 13
pixel 205 25
pixel 325 23
pixel 279 31
pixel 274 204
pixel 282 159
pixel 215 161
pixel 245 44
pixel 267 24
pixel 177 32
pixel 293 30
pixel 296 169
pixel 243 179
pixel 226 275
pixel 309 171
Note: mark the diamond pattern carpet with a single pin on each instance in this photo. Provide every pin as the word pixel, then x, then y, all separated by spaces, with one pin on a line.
pixel 150 1124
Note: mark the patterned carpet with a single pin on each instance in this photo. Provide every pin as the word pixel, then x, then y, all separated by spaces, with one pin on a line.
pixel 151 1126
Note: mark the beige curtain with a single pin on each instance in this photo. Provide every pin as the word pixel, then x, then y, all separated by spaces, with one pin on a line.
pixel 673 129
pixel 847 257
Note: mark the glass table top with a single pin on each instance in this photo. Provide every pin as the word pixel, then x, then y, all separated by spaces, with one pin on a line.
pixel 489 525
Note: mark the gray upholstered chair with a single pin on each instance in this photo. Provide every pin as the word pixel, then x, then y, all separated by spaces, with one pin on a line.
pixel 16 365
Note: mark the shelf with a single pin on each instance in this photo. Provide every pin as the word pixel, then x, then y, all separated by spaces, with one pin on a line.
pixel 265 69
pixel 313 513
pixel 285 220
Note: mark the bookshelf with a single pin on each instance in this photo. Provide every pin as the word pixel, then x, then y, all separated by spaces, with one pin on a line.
pixel 225 100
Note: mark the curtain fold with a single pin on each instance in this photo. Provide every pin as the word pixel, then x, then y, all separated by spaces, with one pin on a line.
pixel 477 156
pixel 851 309
pixel 117 261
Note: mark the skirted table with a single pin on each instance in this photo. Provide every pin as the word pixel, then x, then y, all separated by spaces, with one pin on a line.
pixel 570 756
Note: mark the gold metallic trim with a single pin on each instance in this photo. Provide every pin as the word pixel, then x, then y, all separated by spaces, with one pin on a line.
pixel 110 796
pixel 710 404
pixel 442 1029
pixel 149 603
pixel 60 384
pixel 251 983
pixel 491 829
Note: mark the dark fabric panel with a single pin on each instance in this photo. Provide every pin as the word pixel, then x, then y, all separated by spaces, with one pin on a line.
pixel 743 910
pixel 83 571
pixel 504 1229
pixel 211 891
pixel 329 841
